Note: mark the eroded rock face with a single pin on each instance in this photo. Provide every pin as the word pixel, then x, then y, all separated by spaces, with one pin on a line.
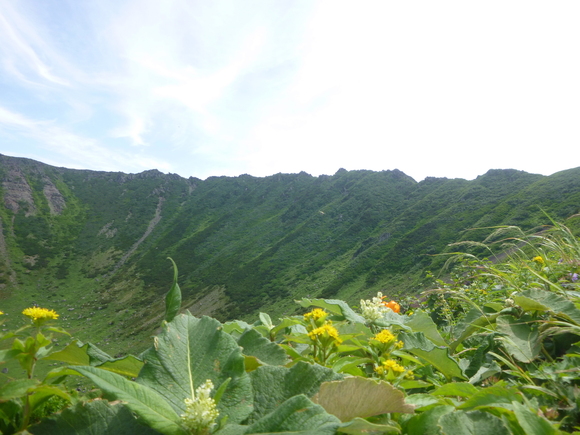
pixel 18 193
pixel 56 201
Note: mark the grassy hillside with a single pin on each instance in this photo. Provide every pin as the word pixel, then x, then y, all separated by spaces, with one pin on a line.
pixel 93 245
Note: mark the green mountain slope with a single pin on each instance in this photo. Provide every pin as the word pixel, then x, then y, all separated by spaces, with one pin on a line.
pixel 93 245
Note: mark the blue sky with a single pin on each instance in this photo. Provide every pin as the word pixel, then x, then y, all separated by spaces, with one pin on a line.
pixel 204 88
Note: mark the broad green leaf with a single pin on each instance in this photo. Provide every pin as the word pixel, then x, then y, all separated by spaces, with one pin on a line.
pixel 485 372
pixel 417 344
pixel 391 318
pixel 540 300
pixel 334 306
pixel 232 429
pixel 531 423
pixel 251 363
pixel 426 423
pixel 236 327
pixel 44 392
pixel 423 402
pixel 77 353
pixel 360 397
pixel 173 297
pixel 266 320
pixel 60 372
pixel 286 322
pixel 97 417
pixel 254 344
pixel 496 395
pixel 126 366
pixel 16 388
pixel 461 389
pixel 475 321
pixel 188 352
pixel 472 423
pixel 296 416
pixel 359 426
pixel 274 384
pixel 521 339
pixel 409 384
pixel 148 404
pixel 349 364
pixel 420 321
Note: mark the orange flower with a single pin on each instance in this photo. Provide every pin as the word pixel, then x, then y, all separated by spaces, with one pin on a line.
pixel 393 306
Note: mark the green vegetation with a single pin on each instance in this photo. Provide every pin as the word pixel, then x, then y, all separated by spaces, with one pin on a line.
pixel 492 349
pixel 88 243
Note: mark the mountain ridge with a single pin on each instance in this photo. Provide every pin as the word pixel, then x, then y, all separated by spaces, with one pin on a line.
pixel 242 244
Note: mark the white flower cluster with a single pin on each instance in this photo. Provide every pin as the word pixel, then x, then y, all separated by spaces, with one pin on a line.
pixel 200 412
pixel 373 309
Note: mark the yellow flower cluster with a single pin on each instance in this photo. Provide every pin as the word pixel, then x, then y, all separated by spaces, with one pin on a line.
pixel 538 259
pixel 385 337
pixel 326 330
pixel 315 314
pixel 390 365
pixel 1 312
pixel 37 313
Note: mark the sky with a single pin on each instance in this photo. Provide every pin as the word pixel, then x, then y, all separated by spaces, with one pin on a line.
pixel 216 87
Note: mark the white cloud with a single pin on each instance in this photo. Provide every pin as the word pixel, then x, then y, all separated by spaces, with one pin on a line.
pixel 77 151
pixel 446 88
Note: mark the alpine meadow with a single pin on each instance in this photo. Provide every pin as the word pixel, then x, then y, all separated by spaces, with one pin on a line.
pixel 360 302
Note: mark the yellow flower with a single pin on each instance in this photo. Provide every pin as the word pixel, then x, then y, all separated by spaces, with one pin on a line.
pixel 1 312
pixel 538 259
pixel 315 314
pixel 325 331
pixel 399 344
pixel 37 313
pixel 390 365
pixel 385 336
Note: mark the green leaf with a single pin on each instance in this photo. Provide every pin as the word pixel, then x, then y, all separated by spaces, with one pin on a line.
pixel 126 366
pixel 254 344
pixel 531 423
pixel 16 388
pixel 188 352
pixel 359 426
pixel 426 423
pixel 77 353
pixel 173 297
pixel 286 322
pixel 298 416
pixel 391 318
pixel 44 392
pixel 472 423
pixel 496 395
pixel 423 402
pixel 273 385
pixel 417 344
pixel 540 300
pixel 461 389
pixel 350 365
pixel 266 320
pixel 148 404
pixel 474 322
pixel 334 306
pixel 409 384
pixel 360 397
pixel 420 321
pixel 97 417
pixel 521 339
